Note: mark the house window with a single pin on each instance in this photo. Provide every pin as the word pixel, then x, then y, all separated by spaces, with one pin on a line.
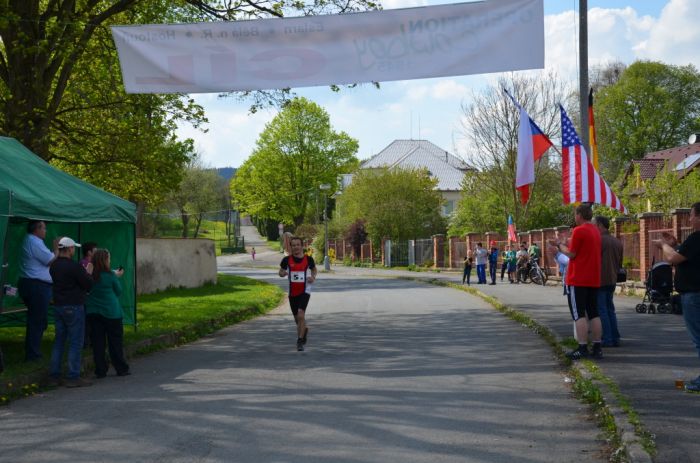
pixel 448 208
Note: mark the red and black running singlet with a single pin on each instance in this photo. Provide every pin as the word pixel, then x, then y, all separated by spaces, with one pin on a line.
pixel 298 272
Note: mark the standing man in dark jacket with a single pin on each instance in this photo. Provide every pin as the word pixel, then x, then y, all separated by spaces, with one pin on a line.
pixel 71 283
pixel 687 281
pixel 611 262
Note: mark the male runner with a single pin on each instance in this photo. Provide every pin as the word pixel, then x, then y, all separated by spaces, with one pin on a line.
pixel 301 271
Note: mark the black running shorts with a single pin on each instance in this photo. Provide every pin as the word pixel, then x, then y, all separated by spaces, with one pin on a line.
pixel 299 302
pixel 583 301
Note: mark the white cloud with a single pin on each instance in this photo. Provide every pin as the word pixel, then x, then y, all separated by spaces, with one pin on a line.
pixel 674 38
pixel 232 133
pixel 448 90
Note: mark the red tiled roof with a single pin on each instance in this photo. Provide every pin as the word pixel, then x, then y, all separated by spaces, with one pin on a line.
pixel 675 155
pixel 648 168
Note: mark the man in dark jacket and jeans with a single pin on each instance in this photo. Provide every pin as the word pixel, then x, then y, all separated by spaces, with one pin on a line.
pixel 71 282
pixel 611 262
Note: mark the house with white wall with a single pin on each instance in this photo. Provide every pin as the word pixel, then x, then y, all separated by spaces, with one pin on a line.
pixel 447 168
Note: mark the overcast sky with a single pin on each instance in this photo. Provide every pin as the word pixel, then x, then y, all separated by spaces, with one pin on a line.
pixel 619 30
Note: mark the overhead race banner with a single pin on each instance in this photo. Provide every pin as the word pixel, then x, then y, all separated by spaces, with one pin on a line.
pixel 377 46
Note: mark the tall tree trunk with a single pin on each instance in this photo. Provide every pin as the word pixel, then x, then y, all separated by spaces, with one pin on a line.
pixel 185 222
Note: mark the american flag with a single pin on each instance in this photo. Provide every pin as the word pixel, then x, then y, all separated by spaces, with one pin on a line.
pixel 581 183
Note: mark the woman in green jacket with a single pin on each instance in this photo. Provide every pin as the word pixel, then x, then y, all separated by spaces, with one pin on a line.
pixel 104 314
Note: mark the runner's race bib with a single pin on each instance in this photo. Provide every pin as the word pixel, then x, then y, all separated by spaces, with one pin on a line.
pixel 298 277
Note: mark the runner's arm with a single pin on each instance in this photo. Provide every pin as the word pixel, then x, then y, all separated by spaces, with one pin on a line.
pixel 283 267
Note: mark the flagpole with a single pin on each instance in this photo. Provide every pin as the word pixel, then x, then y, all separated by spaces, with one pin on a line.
pixel 583 71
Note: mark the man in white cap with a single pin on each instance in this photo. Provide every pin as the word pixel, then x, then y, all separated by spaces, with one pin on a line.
pixel 71 282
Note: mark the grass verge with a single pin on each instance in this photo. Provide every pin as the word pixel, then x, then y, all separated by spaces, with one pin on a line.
pixel 585 377
pixel 167 318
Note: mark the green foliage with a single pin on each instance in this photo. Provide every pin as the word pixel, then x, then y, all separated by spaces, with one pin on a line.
pixel 663 193
pixel 481 209
pixel 653 106
pixel 491 125
pixel 201 190
pixel 296 153
pixel 61 93
pixel 399 204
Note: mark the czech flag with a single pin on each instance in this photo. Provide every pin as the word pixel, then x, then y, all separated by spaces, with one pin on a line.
pixel 532 144
pixel 512 236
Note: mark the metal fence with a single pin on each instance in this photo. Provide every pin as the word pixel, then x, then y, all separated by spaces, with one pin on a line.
pixel 424 252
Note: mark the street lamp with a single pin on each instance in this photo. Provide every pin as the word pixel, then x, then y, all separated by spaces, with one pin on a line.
pixel 326 260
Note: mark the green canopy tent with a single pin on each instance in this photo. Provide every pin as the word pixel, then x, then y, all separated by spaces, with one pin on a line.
pixel 31 189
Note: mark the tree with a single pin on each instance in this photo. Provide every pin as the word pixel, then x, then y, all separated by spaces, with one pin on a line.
pixel 296 153
pixel 663 193
pixel 200 191
pixel 491 123
pixel 42 43
pixel 356 234
pixel 653 106
pixel 399 204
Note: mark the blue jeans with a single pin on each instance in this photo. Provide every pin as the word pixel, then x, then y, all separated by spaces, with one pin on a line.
pixel 36 295
pixel 690 302
pixel 70 325
pixel 608 318
pixel 481 272
pixel 493 269
pixel 466 275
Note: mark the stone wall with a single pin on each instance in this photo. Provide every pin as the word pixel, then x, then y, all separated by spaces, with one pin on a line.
pixel 173 263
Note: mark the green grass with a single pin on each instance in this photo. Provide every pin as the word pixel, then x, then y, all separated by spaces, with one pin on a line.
pixel 191 313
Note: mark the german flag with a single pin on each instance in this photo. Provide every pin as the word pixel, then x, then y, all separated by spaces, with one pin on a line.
pixel 591 132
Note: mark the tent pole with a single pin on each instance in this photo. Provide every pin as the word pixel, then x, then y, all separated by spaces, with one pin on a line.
pixel 5 245
pixel 136 323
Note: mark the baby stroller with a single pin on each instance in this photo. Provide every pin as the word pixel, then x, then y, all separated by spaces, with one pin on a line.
pixel 659 286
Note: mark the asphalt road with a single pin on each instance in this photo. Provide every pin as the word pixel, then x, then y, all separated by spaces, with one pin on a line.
pixel 394 371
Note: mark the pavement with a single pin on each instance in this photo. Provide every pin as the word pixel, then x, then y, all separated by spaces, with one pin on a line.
pixel 655 350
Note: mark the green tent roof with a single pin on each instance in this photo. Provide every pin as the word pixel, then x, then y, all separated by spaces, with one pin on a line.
pixel 32 188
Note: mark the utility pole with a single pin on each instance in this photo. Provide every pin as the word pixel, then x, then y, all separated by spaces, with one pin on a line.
pixel 583 71
pixel 326 260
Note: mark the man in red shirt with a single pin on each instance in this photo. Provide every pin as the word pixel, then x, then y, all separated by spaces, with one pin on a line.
pixel 301 271
pixel 583 281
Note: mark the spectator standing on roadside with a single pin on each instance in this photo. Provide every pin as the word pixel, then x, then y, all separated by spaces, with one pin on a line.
pixel 105 315
pixel 481 256
pixel 504 261
pixel 511 262
pixel 493 262
pixel 35 285
pixel 611 262
pixel 71 282
pixel 88 250
pixel 687 280
pixel 521 261
pixel 583 281
pixel 534 251
pixel 468 261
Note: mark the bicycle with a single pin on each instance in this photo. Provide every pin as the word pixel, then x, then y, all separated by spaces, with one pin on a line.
pixel 537 274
